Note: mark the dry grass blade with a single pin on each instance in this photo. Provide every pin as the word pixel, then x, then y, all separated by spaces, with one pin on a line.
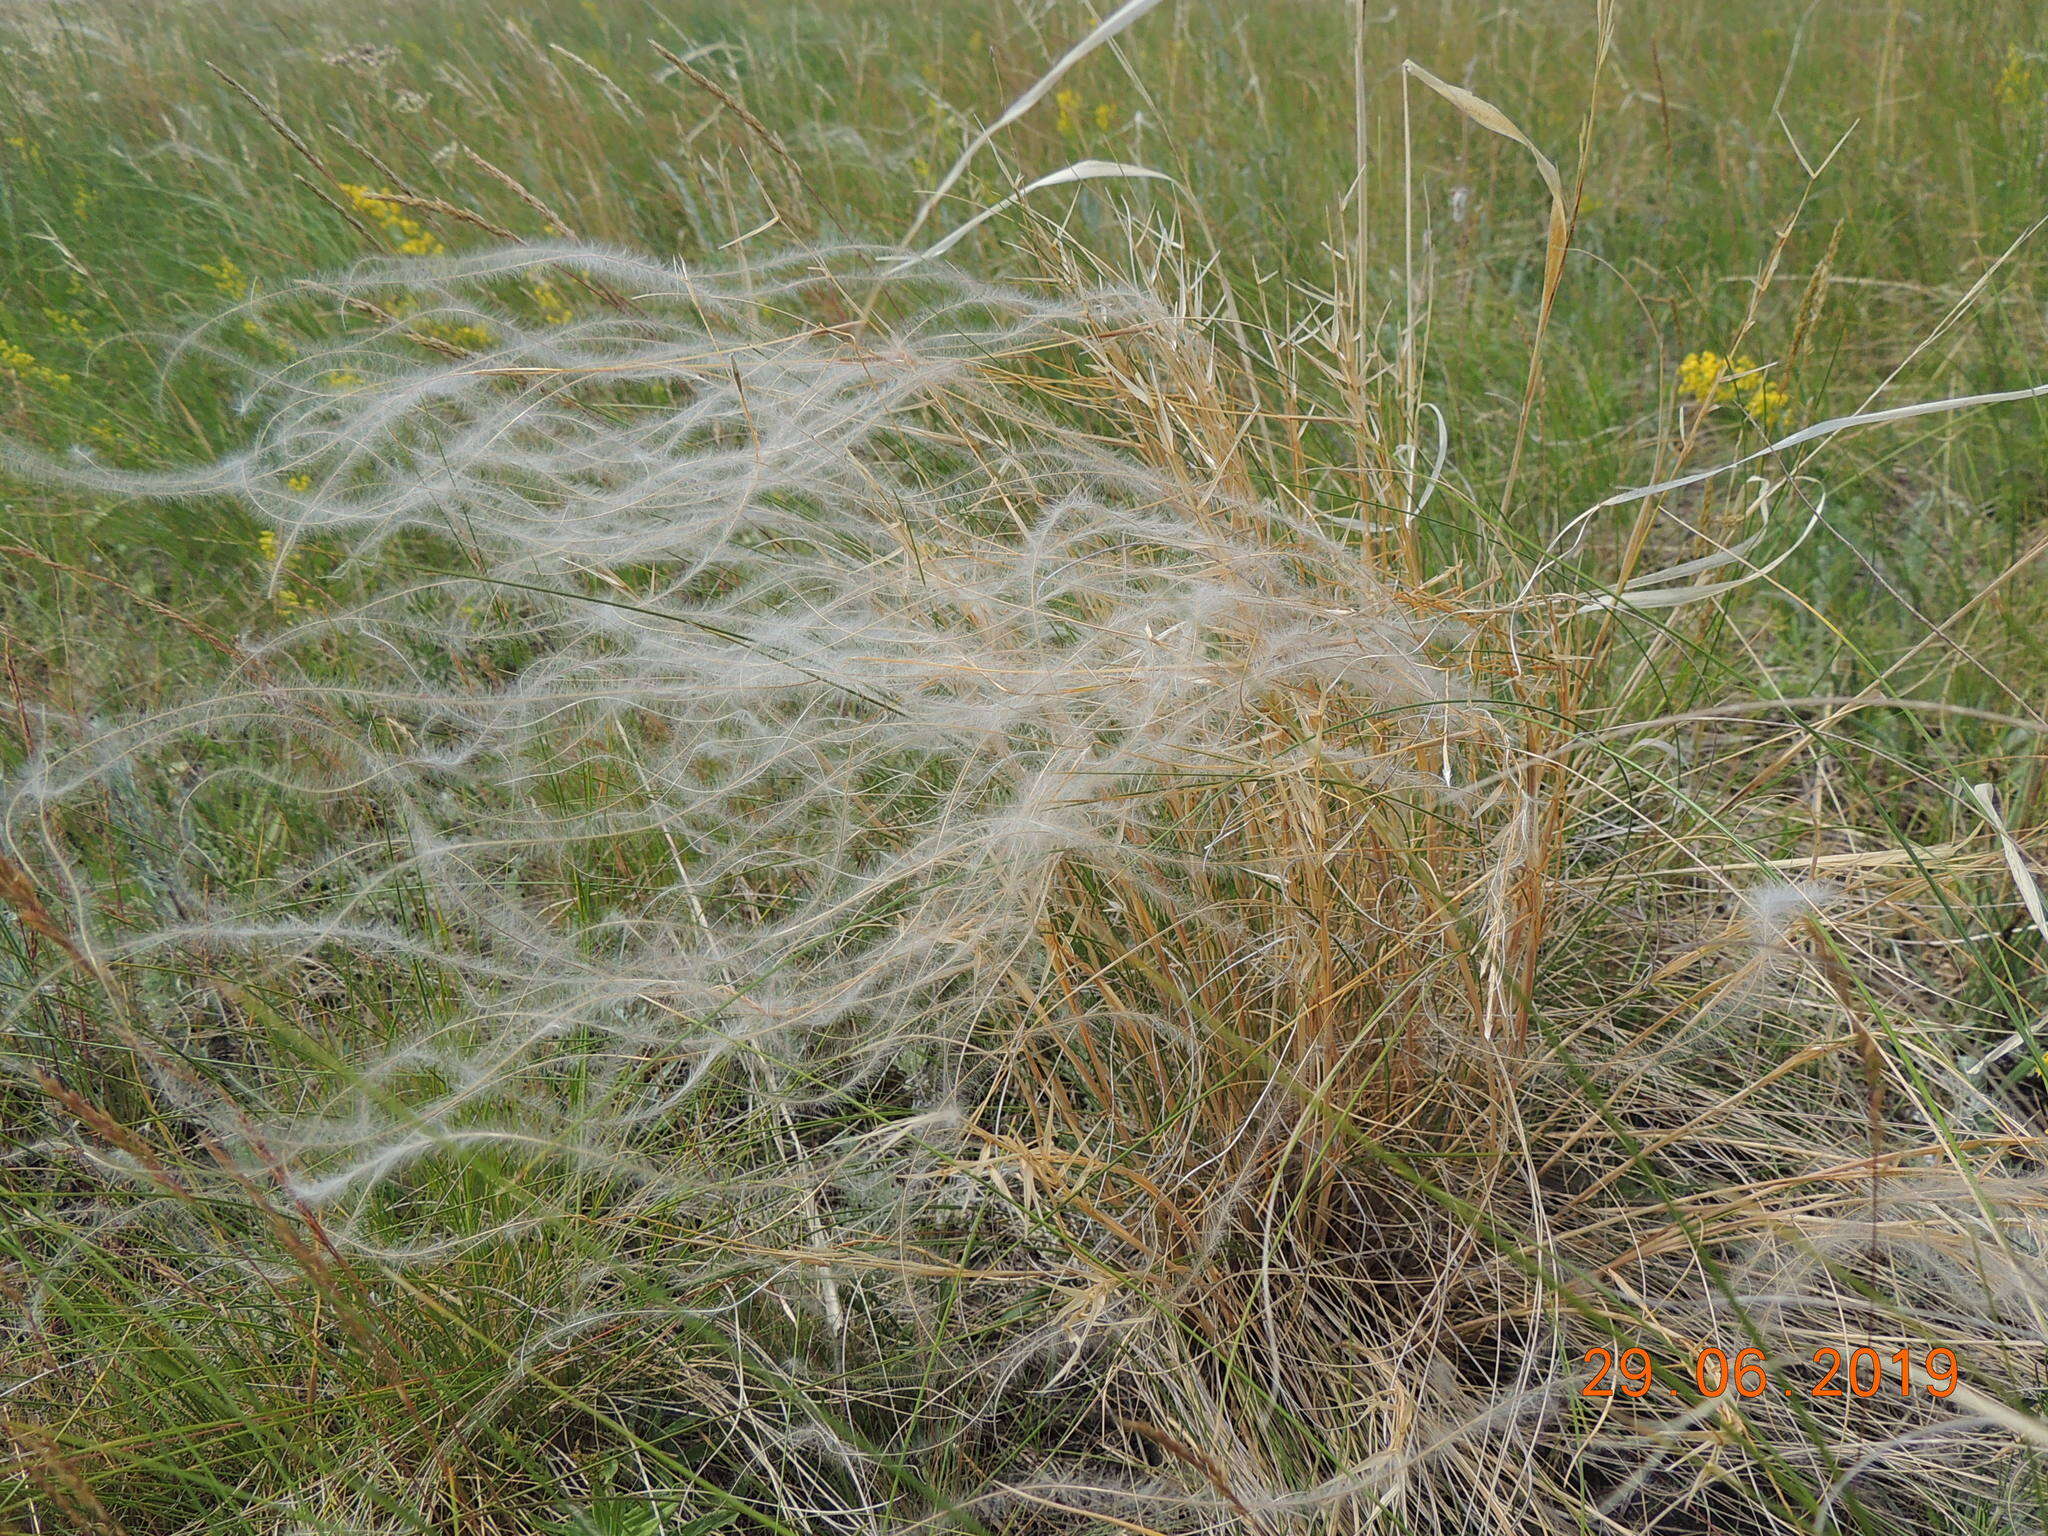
pixel 1083 170
pixel 1116 21
pixel 2015 859
pixel 1832 427
pixel 1493 120
pixel 739 109
pixel 19 892
pixel 555 222
pixel 446 209
pixel 1556 243
pixel 277 123
pixel 1642 594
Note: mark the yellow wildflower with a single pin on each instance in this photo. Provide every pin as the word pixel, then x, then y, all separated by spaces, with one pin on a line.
pixel 287 597
pixel 343 378
pixel 2018 85
pixel 299 483
pixel 64 320
pixel 1069 105
pixel 554 309
pixel 1072 114
pixel 227 278
pixel 411 237
pixel 471 338
pixel 1703 376
pixel 256 331
pixel 20 364
pixel 1713 379
pixel 1766 402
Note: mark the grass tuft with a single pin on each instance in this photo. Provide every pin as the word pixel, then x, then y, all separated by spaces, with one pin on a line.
pixel 796 891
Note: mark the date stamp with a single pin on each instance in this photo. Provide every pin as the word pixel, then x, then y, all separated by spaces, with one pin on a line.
pixel 1747 1373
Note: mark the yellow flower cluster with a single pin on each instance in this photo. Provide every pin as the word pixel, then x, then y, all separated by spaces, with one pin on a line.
pixel 228 280
pixel 554 309
pixel 471 338
pixel 288 599
pixel 1716 380
pixel 412 237
pixel 20 365
pixel 1070 113
pixel 2018 84
pixel 124 442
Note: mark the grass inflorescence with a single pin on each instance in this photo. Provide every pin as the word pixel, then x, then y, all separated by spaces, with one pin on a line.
pixel 1131 878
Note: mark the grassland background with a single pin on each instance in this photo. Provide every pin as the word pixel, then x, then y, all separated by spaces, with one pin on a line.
pixel 142 189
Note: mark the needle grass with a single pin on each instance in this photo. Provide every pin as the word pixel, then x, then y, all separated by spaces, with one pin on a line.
pixel 841 896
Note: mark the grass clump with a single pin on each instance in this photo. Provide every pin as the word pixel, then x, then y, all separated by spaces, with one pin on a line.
pixel 828 895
